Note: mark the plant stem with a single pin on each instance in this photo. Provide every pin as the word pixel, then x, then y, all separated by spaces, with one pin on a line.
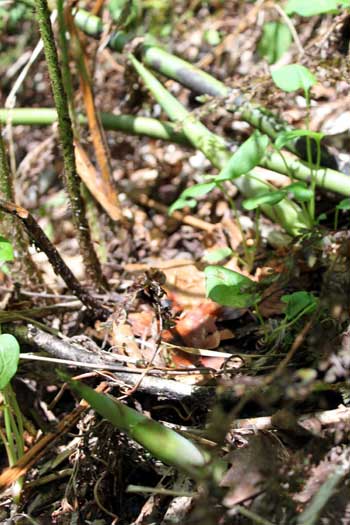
pixel 150 127
pixel 11 228
pixel 14 429
pixel 72 180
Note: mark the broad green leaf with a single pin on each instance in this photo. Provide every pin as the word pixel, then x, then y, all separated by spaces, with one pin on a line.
pixel 162 442
pixel 293 77
pixel 186 197
pixel 198 190
pixel 229 288
pixel 299 191
pixel 297 303
pixel 248 155
pixel 270 197
pixel 215 256
pixel 288 136
pixel 6 250
pixel 9 356
pixel 313 7
pixel 344 204
pixel 275 40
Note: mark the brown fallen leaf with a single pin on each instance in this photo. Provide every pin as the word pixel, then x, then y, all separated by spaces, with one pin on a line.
pixel 197 327
pixel 122 338
pixel 97 187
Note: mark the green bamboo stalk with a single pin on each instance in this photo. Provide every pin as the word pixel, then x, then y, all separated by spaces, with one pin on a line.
pixel 189 76
pixel 162 442
pixel 149 127
pixel 203 83
pixel 327 179
pixel 72 180
pixel 286 212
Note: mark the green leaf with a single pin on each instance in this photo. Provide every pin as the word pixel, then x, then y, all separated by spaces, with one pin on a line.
pixel 299 191
pixel 229 288
pixel 314 7
pixel 288 136
pixel 275 40
pixel 344 204
pixel 248 155
pixel 6 250
pixel 212 37
pixel 186 197
pixel 198 190
pixel 162 442
pixel 125 12
pixel 270 197
pixel 214 256
pixel 9 357
pixel 180 203
pixel 293 77
pixel 297 303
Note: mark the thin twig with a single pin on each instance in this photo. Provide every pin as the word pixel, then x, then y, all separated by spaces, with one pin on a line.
pixel 44 244
pixel 290 25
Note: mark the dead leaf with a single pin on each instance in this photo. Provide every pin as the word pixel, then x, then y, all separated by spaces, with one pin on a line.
pixel 197 327
pixel 90 176
pixel 123 339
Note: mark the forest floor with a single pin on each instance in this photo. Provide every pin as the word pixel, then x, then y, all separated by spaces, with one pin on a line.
pixel 261 388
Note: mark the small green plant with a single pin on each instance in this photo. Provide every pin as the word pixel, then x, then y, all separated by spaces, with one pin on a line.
pixel 6 254
pixel 230 288
pixel 292 78
pixel 343 205
pixel 298 304
pixel 275 41
pixel 12 434
pixel 316 7
pixel 212 37
pixel 215 256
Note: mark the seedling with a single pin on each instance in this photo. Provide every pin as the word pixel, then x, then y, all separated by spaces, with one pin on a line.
pixel 215 256
pixel 343 205
pixel 316 7
pixel 291 78
pixel 275 41
pixel 12 435
pixel 6 254
pixel 230 288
